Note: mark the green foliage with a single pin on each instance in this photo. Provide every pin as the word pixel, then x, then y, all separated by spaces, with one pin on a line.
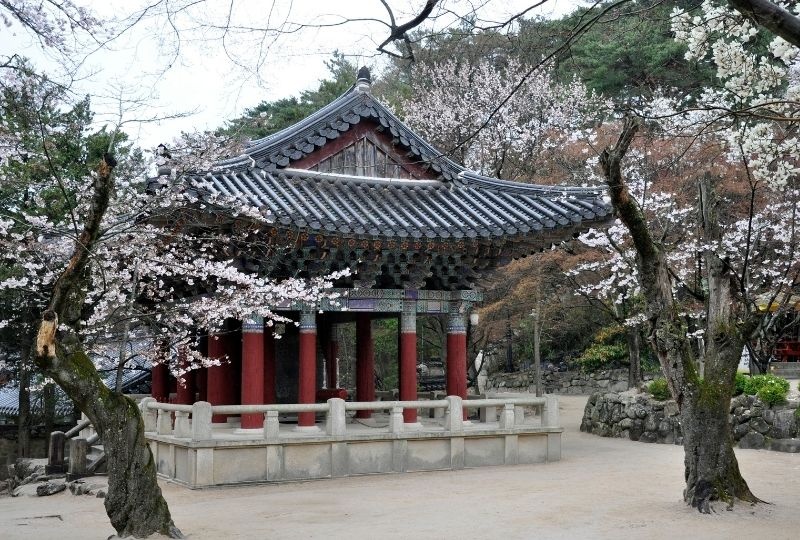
pixel 628 53
pixel 608 349
pixel 659 389
pixel 772 395
pixel 739 383
pixel 269 117
pixel 757 382
pixel 772 390
pixel 384 338
pixel 599 356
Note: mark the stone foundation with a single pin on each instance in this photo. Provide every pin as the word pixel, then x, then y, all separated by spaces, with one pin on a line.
pixel 640 417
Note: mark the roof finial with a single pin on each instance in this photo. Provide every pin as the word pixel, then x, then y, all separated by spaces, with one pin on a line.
pixel 364 81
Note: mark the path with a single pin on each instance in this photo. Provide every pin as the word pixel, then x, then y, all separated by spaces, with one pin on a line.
pixel 602 488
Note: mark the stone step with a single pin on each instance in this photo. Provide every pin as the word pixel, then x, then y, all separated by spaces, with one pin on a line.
pixel 785 445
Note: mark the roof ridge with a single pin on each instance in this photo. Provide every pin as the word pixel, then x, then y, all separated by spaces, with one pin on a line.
pixel 278 150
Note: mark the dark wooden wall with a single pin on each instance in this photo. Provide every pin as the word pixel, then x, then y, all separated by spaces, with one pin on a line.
pixel 363 158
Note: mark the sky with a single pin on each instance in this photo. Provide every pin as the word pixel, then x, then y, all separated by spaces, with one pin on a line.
pixel 185 65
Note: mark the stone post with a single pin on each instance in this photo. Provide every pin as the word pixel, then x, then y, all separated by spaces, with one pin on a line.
pixel 519 415
pixel 507 416
pixel 335 423
pixel 201 421
pixel 396 420
pixel 550 413
pixel 164 423
pixel 272 426
pixel 148 414
pixel 488 414
pixel 55 454
pixel 454 419
pixel 78 448
pixel 182 427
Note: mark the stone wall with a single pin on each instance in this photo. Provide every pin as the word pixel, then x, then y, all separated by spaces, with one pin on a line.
pixel 562 382
pixel 640 417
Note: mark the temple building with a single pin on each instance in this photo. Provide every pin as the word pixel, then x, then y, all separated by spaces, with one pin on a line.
pixel 352 186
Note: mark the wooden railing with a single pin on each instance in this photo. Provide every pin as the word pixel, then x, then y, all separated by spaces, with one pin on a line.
pixel 174 420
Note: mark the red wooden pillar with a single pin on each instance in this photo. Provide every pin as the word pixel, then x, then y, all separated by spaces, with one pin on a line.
pixel 201 378
pixel 307 377
pixel 365 362
pixel 218 381
pixel 408 360
pixel 457 356
pixel 159 382
pixel 233 350
pixel 184 393
pixel 269 365
pixel 253 370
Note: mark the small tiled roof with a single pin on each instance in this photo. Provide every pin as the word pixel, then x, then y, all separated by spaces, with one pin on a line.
pixel 295 142
pixel 135 373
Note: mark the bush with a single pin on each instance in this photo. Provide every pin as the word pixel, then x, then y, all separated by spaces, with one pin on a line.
pixel 659 389
pixel 608 349
pixel 740 382
pixel 773 390
pixel 599 356
pixel 756 382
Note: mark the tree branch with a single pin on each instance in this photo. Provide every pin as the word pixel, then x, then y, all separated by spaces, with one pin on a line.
pixel 774 18
pixel 68 280
pixel 401 32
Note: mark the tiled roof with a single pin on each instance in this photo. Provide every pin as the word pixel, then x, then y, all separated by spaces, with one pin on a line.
pixel 472 206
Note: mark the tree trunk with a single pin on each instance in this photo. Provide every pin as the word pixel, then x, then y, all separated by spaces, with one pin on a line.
pixel 24 404
pixel 134 502
pixel 49 399
pixel 712 472
pixel 634 357
pixel 537 350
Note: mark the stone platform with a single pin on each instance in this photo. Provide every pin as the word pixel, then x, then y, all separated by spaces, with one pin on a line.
pixel 344 446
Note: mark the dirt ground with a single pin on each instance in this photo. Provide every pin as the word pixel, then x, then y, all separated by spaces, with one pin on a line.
pixel 602 488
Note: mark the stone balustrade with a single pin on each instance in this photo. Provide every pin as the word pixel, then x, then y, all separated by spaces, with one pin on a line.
pixel 171 419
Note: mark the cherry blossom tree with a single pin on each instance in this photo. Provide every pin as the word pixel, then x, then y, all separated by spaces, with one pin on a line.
pixel 451 100
pixel 122 255
pixel 738 266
